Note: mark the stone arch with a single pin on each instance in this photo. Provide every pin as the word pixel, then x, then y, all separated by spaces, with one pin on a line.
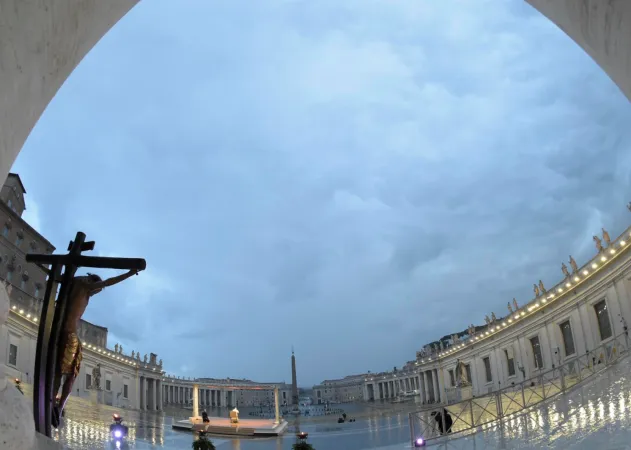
pixel 42 42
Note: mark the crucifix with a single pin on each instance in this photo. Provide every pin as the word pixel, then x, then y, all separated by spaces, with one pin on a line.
pixel 58 353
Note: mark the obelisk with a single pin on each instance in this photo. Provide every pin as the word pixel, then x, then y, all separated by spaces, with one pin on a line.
pixel 294 382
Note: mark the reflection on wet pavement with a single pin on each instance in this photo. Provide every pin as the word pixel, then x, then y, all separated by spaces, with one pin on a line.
pixel 594 415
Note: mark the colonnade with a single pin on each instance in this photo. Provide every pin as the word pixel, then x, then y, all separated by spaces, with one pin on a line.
pixel 183 395
pixel 150 393
pixel 426 384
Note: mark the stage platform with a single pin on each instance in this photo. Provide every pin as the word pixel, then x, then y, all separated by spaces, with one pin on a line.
pixel 221 426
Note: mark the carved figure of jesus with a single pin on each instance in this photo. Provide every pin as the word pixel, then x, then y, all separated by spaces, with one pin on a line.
pixel 70 350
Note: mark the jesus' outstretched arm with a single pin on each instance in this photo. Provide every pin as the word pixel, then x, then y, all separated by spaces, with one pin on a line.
pixel 114 280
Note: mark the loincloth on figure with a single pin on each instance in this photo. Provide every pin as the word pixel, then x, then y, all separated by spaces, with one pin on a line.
pixel 72 355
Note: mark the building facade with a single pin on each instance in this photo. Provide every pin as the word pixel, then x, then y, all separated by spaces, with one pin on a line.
pixel 585 313
pixel 343 390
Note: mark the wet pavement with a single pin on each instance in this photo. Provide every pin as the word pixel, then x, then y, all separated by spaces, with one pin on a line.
pixel 595 415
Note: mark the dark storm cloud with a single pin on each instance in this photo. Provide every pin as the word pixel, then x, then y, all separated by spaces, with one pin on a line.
pixel 352 178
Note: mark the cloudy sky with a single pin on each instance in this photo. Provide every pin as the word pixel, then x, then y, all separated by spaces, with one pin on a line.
pixel 354 178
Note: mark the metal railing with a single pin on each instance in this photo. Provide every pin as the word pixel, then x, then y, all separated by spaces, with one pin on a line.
pixel 465 416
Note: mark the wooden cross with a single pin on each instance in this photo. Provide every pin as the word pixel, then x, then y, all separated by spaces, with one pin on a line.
pixel 61 272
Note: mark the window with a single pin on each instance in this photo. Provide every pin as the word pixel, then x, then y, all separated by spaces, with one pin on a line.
pixel 568 339
pixel 510 363
pixel 125 391
pixel 603 320
pixel 451 377
pixel 10 203
pixel 9 276
pixel 536 352
pixel 13 355
pixel 468 369
pixel 23 284
pixel 36 295
pixel 108 385
pixel 18 241
pixel 487 369
pixel 5 231
pixel 88 381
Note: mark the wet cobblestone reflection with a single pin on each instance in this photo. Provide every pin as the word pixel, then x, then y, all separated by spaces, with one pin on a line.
pixel 596 415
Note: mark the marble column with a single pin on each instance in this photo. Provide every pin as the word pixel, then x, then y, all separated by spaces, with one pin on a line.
pixel 151 393
pixel 436 387
pixel 276 407
pixel 426 395
pixel 142 394
pixel 195 400
pixel 159 392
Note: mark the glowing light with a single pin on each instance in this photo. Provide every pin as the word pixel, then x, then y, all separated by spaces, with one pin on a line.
pixel 516 316
pixel 559 290
pixel 487 333
pixel 28 316
pixel 14 307
pixel 21 311
pixel 543 300
pixel 585 272
pixel 510 320
pixel 35 319
pixel 568 285
pixel 594 265
pixel 503 324
pixel 603 259
pixel 623 243
pixel 523 313
pixel 536 305
pixel 612 251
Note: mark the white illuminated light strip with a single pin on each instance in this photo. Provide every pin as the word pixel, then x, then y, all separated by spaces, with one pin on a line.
pixel 544 299
pixel 104 352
